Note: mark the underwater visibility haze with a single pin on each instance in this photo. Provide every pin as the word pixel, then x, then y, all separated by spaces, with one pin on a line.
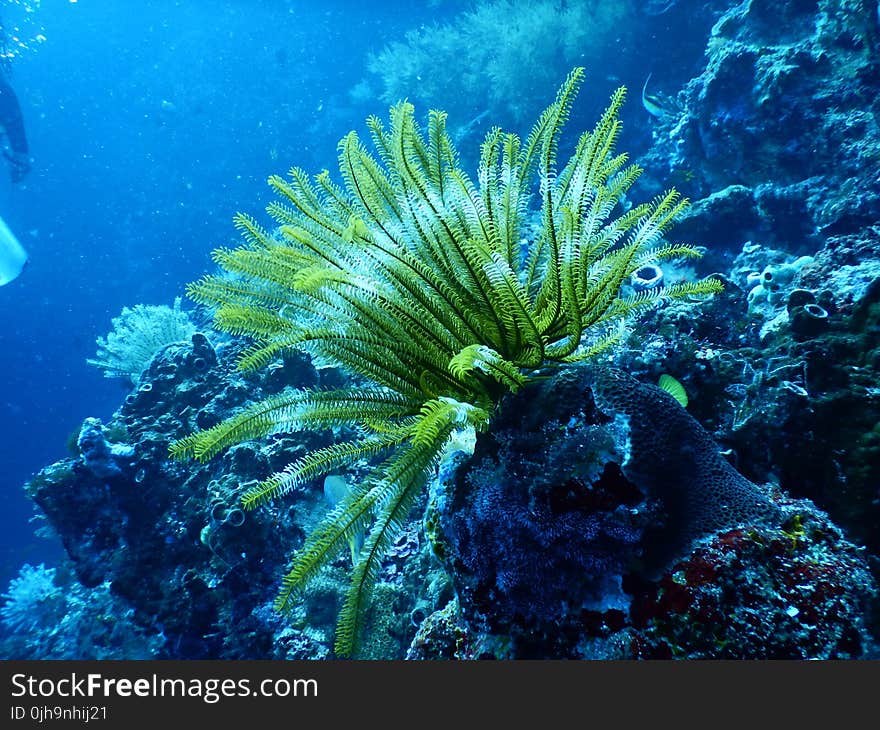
pixel 440 330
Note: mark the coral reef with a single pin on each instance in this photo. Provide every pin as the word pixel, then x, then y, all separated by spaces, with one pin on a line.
pixel 169 542
pixel 563 537
pixel 791 396
pixel 595 518
pixel 782 123
pixel 424 286
pixel 168 548
pixel 555 539
pixel 540 523
pixel 794 590
pixel 173 547
pixel 780 134
pixel 47 614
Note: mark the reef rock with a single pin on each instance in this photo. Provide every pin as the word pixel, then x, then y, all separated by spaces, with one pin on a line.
pixel 564 529
pixel 785 119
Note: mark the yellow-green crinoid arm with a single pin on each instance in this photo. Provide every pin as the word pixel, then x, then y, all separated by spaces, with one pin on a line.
pixel 295 410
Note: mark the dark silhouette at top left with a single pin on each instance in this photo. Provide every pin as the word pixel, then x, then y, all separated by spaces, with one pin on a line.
pixel 15 146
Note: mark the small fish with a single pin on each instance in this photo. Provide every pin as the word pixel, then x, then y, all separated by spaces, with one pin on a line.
pixel 658 105
pixel 658 7
pixel 674 388
pixel 682 176
pixel 335 490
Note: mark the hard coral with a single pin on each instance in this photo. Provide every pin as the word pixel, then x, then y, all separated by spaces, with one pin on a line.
pixel 791 590
pixel 541 525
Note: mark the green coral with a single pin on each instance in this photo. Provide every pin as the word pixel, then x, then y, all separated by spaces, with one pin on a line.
pixel 139 333
pixel 424 283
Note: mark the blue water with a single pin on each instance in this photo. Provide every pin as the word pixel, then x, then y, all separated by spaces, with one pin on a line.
pixel 150 124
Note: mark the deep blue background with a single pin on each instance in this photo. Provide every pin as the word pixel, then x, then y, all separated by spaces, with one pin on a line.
pixel 151 123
